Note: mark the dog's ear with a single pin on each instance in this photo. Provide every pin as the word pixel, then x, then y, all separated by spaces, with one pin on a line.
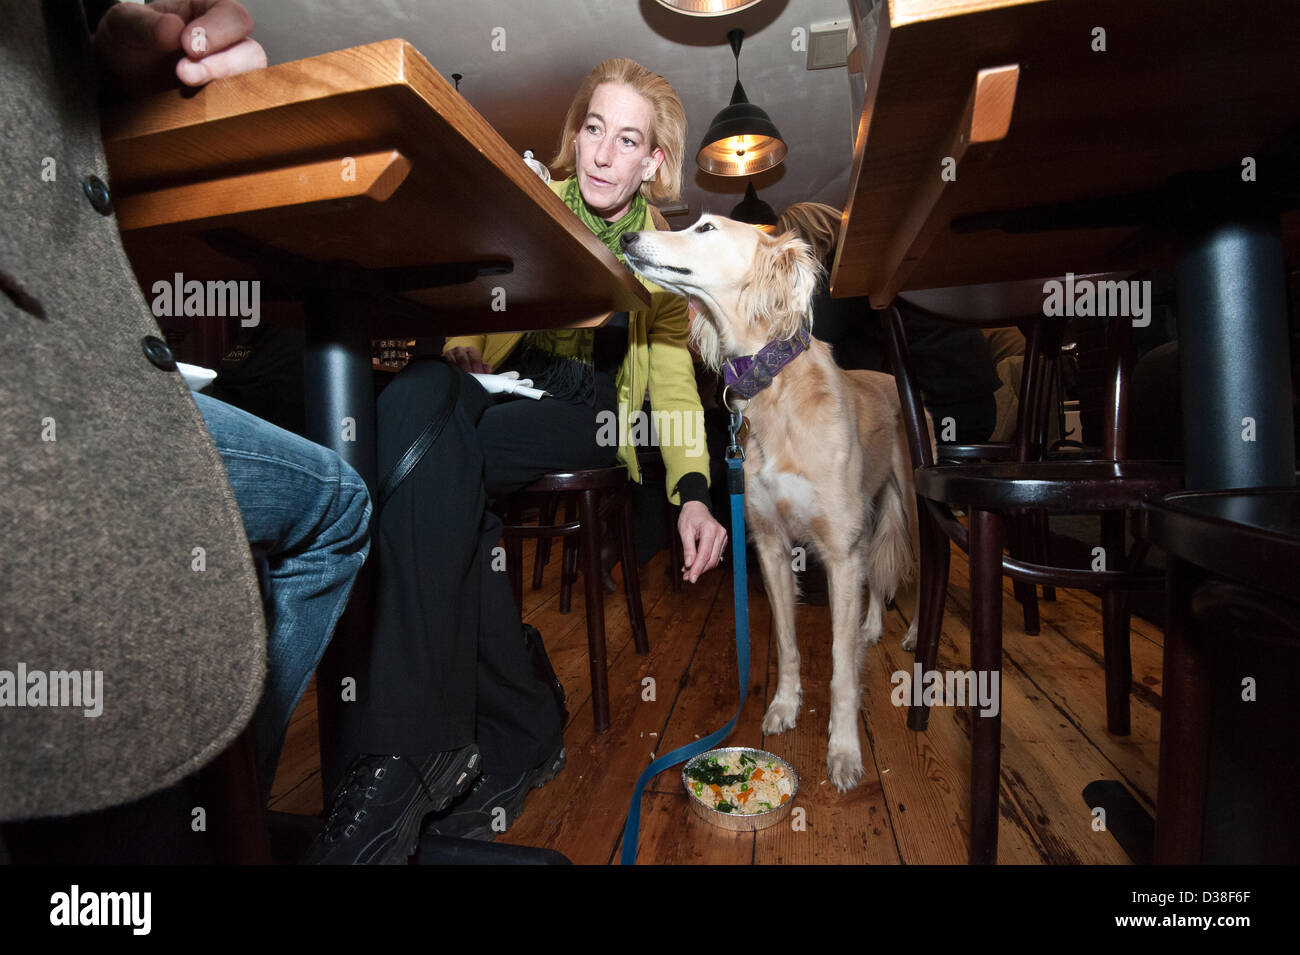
pixel 778 291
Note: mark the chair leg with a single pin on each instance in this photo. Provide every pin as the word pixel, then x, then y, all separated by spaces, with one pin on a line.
pixel 1043 549
pixel 1022 543
pixel 986 657
pixel 1115 630
pixel 545 518
pixel 568 562
pixel 631 578
pixel 932 594
pixel 589 516
pixel 1184 727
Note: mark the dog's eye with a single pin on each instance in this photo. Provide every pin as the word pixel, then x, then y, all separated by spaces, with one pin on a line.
pixel 704 227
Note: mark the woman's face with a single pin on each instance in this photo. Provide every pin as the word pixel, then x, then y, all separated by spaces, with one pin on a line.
pixel 613 149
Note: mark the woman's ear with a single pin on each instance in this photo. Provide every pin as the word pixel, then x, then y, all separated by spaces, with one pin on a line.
pixel 650 165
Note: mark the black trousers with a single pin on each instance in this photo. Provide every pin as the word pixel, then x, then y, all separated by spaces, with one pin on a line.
pixel 447 665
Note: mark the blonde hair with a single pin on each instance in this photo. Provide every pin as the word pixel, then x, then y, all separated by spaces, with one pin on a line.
pixel 815 222
pixel 668 126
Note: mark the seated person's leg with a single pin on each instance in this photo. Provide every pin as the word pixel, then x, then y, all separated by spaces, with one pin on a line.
pixel 520 724
pixel 305 512
pixel 523 439
pixel 409 737
pixel 416 694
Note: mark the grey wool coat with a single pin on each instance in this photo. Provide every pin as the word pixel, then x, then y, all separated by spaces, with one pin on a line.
pixel 109 481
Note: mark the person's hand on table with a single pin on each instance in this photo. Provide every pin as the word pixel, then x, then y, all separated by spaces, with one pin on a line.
pixel 137 44
pixel 467 358
pixel 703 539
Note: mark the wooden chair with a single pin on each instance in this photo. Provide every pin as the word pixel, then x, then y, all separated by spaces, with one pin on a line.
pixel 651 464
pixel 1233 559
pixel 1029 534
pixel 1016 304
pixel 585 493
pixel 990 492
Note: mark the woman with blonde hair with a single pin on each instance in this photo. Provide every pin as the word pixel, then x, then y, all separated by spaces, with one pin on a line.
pixel 620 150
pixel 451 686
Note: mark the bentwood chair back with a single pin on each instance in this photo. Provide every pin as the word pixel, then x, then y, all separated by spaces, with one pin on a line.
pixel 990 493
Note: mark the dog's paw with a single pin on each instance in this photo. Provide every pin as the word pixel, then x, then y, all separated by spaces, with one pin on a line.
pixel 780 716
pixel 844 769
pixel 909 641
pixel 870 637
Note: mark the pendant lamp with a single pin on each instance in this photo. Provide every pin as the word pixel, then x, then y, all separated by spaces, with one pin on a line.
pixel 742 139
pixel 707 8
pixel 755 211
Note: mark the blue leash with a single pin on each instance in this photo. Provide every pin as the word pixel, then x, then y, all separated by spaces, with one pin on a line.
pixel 736 487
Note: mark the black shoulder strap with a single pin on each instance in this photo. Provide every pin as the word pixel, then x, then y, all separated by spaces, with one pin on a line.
pixel 407 462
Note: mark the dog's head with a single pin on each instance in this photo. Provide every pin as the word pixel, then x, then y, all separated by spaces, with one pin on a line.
pixel 752 288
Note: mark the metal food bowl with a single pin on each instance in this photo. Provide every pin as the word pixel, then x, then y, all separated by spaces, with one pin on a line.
pixel 737 821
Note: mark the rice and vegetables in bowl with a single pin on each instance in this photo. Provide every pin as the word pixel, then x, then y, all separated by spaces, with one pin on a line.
pixel 740 788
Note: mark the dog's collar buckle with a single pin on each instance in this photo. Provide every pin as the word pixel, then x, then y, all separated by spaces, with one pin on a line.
pixel 747 375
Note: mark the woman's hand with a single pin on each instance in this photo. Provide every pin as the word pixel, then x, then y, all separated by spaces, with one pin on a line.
pixel 467 358
pixel 138 44
pixel 703 539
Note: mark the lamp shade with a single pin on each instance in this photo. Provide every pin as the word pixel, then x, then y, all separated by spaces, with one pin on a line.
pixel 707 8
pixel 742 139
pixel 755 211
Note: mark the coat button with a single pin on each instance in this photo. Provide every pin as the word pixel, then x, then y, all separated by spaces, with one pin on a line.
pixel 156 350
pixel 98 194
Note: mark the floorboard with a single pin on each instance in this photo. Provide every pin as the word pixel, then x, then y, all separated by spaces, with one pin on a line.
pixel 912 803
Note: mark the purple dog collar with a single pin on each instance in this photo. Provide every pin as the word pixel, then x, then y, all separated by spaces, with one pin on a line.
pixel 747 375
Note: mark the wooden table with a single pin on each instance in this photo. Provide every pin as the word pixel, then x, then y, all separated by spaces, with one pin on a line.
pixel 1000 141
pixel 1067 158
pixel 370 200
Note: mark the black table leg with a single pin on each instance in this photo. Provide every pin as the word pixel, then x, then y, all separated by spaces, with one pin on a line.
pixel 340 406
pixel 1238 428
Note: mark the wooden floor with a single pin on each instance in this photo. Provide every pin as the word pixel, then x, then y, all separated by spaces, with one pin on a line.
pixel 911 805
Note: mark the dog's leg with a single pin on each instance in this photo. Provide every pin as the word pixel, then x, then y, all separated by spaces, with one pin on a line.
pixel 909 641
pixel 778 575
pixel 874 625
pixel 844 754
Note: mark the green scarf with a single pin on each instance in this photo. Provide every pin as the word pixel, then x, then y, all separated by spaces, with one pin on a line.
pixel 560 359
pixel 636 218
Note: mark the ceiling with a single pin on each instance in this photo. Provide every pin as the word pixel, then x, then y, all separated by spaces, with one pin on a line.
pixel 551 45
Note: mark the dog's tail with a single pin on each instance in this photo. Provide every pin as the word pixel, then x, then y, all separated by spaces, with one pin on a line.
pixel 892 558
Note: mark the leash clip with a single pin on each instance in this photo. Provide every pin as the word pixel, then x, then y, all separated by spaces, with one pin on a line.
pixel 734 450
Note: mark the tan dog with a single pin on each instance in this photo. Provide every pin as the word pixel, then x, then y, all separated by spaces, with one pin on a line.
pixel 825 460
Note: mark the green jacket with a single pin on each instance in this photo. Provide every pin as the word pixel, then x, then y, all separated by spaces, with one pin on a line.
pixel 658 359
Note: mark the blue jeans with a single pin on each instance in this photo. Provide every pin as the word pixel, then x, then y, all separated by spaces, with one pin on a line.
pixel 306 513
